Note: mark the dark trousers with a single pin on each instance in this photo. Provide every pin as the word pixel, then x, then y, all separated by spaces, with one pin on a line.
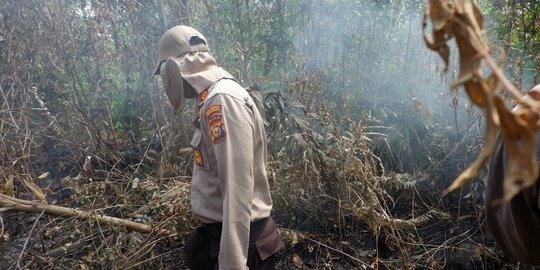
pixel 202 248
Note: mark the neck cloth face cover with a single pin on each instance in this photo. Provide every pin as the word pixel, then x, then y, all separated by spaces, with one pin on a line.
pixel 173 83
pixel 184 55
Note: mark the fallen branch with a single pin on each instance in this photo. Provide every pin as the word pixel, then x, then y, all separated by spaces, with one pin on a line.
pixel 8 203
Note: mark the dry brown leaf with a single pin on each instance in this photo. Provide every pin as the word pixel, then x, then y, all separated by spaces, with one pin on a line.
pixel 35 189
pixel 474 17
pixel 24 157
pixel 8 187
pixel 469 59
pixel 44 175
pixel 440 13
pixel 518 127
pixel 443 50
pixel 298 261
pixel 476 92
pixel 521 146
pixel 469 16
pixel 478 88
pixel 437 43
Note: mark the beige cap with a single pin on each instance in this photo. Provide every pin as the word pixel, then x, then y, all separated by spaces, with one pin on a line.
pixel 178 41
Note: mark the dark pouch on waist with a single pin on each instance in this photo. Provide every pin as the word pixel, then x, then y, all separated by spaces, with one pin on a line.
pixel 269 242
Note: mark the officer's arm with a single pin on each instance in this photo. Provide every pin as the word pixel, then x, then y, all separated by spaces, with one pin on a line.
pixel 230 128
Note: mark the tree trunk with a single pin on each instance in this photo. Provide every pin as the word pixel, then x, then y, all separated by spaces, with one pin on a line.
pixel 186 12
pixel 162 17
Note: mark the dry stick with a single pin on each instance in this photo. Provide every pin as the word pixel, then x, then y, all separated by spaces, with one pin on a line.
pixel 35 207
pixel 1 230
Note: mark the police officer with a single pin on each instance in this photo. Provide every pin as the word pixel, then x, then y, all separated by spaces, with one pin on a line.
pixel 230 193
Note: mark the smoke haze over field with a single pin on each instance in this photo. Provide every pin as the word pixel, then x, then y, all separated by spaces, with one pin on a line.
pixel 377 53
pixel 375 62
pixel 375 50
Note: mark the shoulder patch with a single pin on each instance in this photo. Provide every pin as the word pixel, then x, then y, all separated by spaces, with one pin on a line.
pixel 214 118
pixel 214 115
pixel 212 110
pixel 198 157
pixel 217 130
pixel 203 95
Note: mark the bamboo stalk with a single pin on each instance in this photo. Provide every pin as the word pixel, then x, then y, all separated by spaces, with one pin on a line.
pixel 8 203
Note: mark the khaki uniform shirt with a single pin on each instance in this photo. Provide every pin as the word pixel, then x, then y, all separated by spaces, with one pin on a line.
pixel 229 175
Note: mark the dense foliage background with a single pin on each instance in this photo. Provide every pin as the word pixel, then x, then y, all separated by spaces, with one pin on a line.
pixel 363 131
